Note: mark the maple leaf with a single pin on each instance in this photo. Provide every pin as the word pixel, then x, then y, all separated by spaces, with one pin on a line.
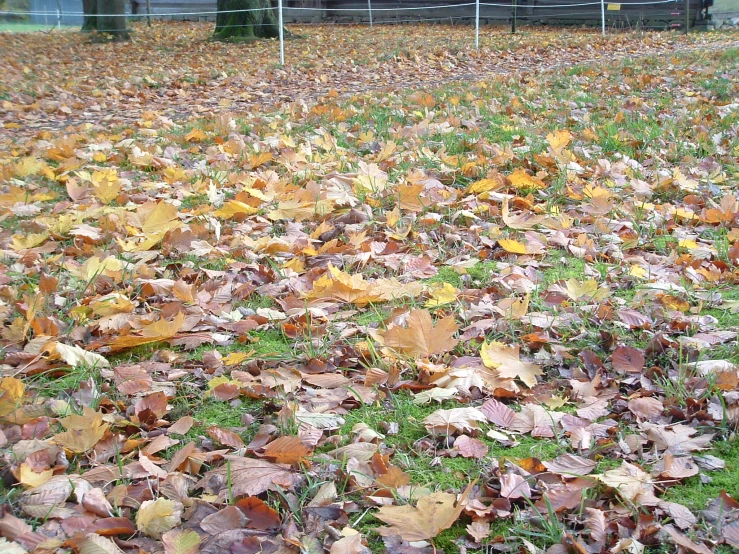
pixel 82 431
pixel 506 361
pixel 456 420
pixel 631 483
pixel 520 179
pixel 420 338
pixel 444 293
pixel 12 391
pixel 431 515
pixel 154 332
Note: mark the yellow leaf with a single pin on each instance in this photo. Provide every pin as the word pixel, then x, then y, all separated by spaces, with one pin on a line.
pixel 23 242
pixel 141 244
pixel 94 266
pixel 28 166
pixel 156 517
pixel 82 431
pixel 181 541
pixel 674 303
pixel 99 157
pixel 444 293
pixel 687 243
pixel 12 391
pixel 196 135
pixel 587 289
pixel 522 180
pixel 410 198
pixel 158 217
pixel 233 207
pixel 30 478
pixel 512 246
pixel 506 361
pixel 484 185
pixel 155 332
pixel 174 175
pixel 105 186
pixel 392 217
pixel 110 304
pixel 235 358
pixel 686 214
pixel 512 308
pixel 637 271
pixel 559 139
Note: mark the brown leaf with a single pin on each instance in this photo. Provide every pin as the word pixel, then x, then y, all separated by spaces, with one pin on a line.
pixel 259 515
pixel 679 467
pixel 181 426
pixel 596 523
pixel 110 526
pixel 570 465
pixel 514 486
pixel 248 477
pixel 349 544
pixel 479 530
pixel 683 541
pixel 628 359
pixel 498 413
pixel 420 338
pixel 229 518
pixel 287 450
pixel 470 448
pixel 225 437
pixel 646 407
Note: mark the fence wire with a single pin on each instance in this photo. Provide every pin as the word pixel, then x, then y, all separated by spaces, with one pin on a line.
pixel 613 12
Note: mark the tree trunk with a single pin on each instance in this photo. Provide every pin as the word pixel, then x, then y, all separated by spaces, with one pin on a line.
pixel 107 17
pixel 246 25
pixel 90 10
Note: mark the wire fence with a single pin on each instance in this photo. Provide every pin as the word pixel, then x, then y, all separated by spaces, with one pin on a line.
pixel 668 14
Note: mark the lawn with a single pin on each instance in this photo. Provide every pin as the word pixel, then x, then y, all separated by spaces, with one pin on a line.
pixel 398 296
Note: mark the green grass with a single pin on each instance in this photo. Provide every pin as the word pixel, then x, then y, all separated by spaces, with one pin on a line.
pixel 446 275
pixel 22 27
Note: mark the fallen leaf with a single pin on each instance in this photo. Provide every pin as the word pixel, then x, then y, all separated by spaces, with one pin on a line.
pixel 420 338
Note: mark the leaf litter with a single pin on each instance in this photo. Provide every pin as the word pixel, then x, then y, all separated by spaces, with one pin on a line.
pixel 524 285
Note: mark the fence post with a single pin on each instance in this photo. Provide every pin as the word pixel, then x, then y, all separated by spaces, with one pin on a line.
pixel 477 24
pixel 603 16
pixel 282 37
pixel 148 12
pixel 513 20
pixel 369 8
pixel 687 15
pixel 58 19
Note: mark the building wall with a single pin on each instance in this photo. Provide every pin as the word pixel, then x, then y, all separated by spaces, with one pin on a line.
pixel 724 13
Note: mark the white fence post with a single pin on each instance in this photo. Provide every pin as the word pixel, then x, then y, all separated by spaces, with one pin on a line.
pixel 477 24
pixel 282 38
pixel 369 8
pixel 58 19
pixel 603 16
